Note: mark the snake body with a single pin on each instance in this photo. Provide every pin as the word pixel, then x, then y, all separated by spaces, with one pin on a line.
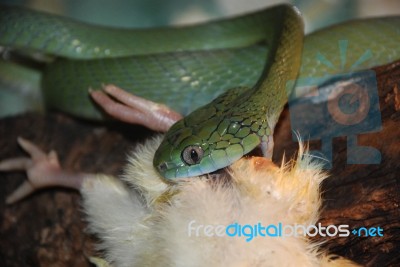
pixel 188 67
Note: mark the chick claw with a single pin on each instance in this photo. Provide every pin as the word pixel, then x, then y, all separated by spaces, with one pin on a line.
pixel 130 108
pixel 43 170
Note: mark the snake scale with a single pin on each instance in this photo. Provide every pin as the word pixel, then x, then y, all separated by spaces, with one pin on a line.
pixel 227 76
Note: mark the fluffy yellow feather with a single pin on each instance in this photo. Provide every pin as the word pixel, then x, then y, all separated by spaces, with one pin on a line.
pixel 145 221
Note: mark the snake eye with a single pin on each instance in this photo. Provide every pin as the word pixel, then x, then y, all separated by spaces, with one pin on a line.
pixel 192 155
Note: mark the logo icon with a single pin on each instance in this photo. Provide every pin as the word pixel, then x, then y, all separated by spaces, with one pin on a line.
pixel 344 104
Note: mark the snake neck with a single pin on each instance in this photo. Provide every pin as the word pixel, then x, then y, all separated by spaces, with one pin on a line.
pixel 263 103
pixel 236 122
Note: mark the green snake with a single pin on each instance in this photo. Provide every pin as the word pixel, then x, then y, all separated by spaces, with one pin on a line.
pixel 229 77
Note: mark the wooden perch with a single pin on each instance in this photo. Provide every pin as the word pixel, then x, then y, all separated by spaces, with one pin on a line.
pixel 47 229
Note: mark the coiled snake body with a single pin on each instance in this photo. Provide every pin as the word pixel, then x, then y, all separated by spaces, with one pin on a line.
pixel 228 76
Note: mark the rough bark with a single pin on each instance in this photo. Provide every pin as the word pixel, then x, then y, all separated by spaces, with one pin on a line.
pixel 363 195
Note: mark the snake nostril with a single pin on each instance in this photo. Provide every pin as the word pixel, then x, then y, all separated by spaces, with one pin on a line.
pixel 162 167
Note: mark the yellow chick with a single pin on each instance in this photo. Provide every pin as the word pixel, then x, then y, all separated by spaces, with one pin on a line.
pixel 144 220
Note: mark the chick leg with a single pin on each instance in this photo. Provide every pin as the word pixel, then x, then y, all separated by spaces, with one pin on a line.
pixel 43 170
pixel 134 109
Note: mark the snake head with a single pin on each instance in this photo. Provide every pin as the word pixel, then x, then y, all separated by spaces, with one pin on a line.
pixel 180 154
pixel 202 148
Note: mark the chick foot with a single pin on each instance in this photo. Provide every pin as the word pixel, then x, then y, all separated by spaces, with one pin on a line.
pixel 129 108
pixel 43 170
